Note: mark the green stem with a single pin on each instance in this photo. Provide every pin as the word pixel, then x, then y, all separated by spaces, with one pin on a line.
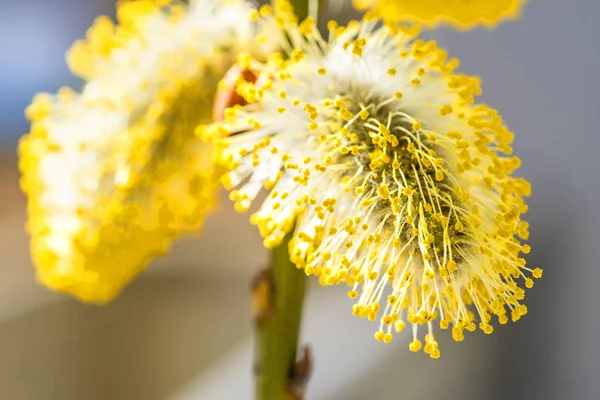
pixel 278 330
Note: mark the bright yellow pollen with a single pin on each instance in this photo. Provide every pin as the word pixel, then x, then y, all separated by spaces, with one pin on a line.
pixel 528 283
pixel 445 110
pixel 415 345
pixel 399 326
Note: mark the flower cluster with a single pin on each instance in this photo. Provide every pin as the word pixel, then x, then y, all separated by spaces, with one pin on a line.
pixel 392 178
pixel 114 173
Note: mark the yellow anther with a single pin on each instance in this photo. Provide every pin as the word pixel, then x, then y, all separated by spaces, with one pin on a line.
pixel 306 27
pixel 345 114
pixel 446 110
pixel 399 326
pixel 415 345
pixel 528 283
pixel 383 191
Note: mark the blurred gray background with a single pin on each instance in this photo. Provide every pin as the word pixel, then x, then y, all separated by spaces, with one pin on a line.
pixel 182 330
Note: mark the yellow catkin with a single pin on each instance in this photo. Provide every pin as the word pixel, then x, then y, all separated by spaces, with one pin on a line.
pixel 113 174
pixel 403 192
pixel 460 14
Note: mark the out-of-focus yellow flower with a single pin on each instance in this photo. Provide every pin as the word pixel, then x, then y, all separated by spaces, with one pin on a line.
pixel 392 179
pixel 114 173
pixel 459 13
